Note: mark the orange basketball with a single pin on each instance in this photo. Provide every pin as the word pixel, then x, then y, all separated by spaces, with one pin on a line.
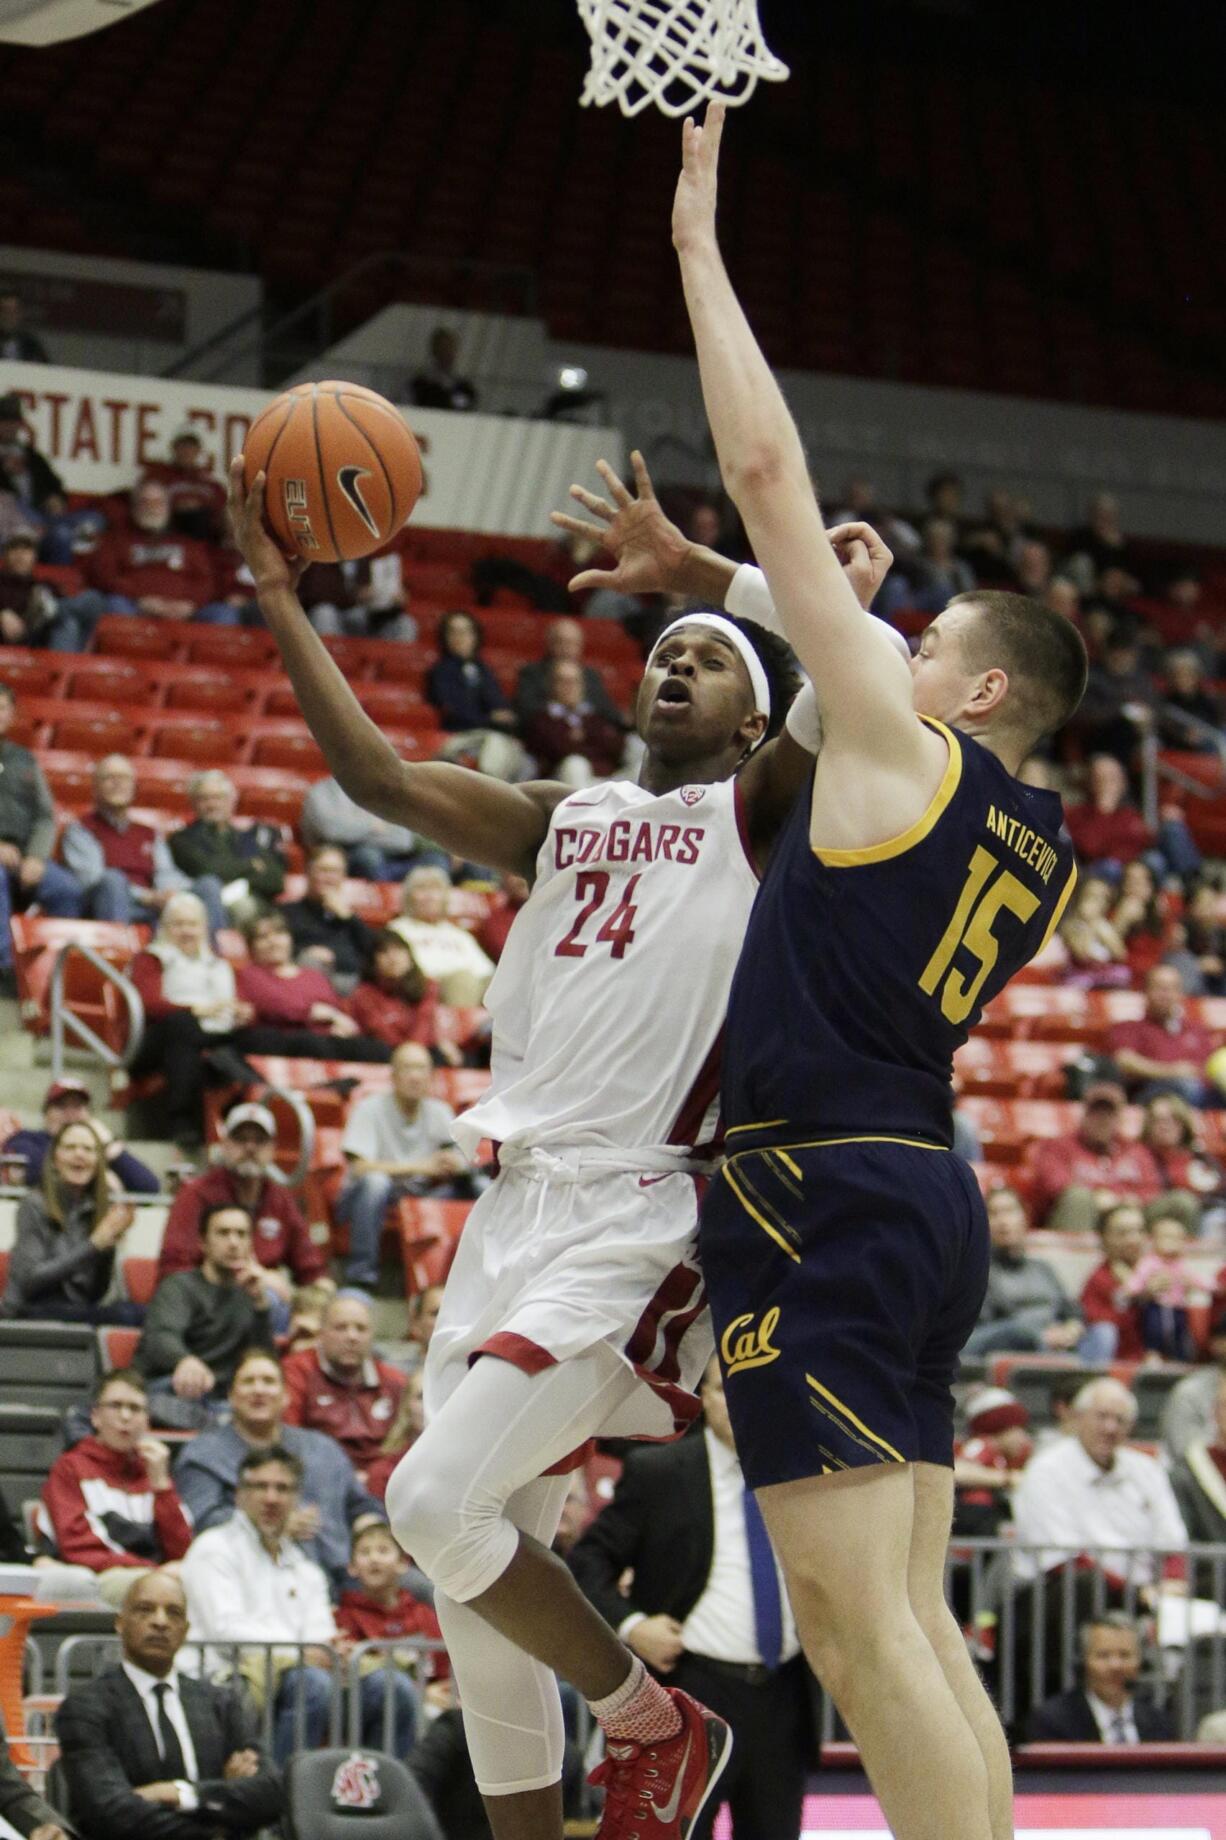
pixel 343 470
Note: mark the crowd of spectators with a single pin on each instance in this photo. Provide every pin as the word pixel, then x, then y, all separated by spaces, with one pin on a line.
pixel 237 1467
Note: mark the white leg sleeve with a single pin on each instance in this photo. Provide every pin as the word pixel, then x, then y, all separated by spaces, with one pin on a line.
pixel 512 1713
pixel 456 1503
pixel 500 1430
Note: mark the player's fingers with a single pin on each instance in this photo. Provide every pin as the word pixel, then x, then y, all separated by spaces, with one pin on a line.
pixel 712 131
pixel 577 526
pixel 619 492
pixel 592 578
pixel 599 507
pixel 642 478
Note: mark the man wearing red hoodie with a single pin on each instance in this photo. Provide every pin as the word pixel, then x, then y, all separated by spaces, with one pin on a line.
pixel 150 569
pixel 109 1503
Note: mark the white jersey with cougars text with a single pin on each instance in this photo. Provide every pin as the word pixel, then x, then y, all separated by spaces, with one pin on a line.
pixel 608 1005
pixel 608 1002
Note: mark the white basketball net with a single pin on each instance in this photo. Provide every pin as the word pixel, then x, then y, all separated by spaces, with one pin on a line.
pixel 676 54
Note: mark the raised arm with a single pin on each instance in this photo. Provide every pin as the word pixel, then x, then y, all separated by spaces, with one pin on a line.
pixel 878 766
pixel 478 818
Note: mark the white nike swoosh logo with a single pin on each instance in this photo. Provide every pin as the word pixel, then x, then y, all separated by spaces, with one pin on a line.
pixel 669 1811
pixel 349 479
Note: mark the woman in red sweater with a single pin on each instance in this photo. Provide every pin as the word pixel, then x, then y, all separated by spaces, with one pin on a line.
pixel 295 1009
pixel 398 1002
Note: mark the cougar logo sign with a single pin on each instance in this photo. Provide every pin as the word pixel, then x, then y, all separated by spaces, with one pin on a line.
pixel 349 479
pixel 356 1783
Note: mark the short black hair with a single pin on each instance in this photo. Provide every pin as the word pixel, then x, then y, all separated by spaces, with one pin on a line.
pixel 224 1207
pixel 1043 653
pixel 778 661
pixel 274 1453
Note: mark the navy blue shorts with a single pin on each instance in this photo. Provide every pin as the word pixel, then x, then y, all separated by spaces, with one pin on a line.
pixel 844 1281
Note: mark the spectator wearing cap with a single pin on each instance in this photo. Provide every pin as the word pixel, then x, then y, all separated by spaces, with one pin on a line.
pixel 1164 1051
pixel 1107 1298
pixel 333 1501
pixel 246 860
pixel 340 1387
pixel 1092 1495
pixel 17 345
pixel 148 568
pixel 1071 1179
pixel 282 1243
pixel 69 1101
pixel 995 1451
pixel 125 867
pixel 27 838
pixel 200 1322
pixel 31 612
pixel 197 500
pixel 1026 1309
pixel 395 1144
pixel 1191 1412
pixel 109 1503
pixel 1199 1476
pixel 1105 1708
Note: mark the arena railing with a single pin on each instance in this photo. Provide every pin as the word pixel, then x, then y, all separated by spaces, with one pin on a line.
pixel 1024 1631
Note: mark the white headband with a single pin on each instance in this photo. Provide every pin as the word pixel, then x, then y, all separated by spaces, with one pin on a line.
pixel 734 636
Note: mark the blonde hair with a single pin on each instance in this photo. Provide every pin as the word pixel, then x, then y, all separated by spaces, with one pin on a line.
pixel 52 1184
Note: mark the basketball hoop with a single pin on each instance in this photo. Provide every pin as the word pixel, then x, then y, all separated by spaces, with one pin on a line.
pixel 676 54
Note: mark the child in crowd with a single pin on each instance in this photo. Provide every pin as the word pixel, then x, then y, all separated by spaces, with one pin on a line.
pixel 997 1448
pixel 382 1610
pixel 1166 1286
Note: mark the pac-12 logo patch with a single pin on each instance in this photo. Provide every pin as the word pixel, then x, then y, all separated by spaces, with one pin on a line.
pixel 356 1783
pixel 743 1346
pixel 690 795
pixel 349 479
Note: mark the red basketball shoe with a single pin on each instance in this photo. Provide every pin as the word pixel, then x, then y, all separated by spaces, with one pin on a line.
pixel 657 1791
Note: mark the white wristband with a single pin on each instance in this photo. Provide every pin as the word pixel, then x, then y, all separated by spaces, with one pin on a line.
pixel 804 722
pixel 749 598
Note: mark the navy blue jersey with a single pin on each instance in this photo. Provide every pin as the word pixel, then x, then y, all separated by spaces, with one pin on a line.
pixel 863 970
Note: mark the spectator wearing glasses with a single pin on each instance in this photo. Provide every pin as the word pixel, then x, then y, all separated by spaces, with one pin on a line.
pixel 109 1503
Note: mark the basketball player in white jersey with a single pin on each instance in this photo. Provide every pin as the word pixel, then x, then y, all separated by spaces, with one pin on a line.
pixel 575 1306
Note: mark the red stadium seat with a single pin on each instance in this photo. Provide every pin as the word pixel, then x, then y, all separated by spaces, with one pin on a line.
pixel 38 941
pixel 229 645
pixel 109 681
pixel 140 1277
pixel 461 1086
pixel 70 777
pixel 200 691
pixel 29 673
pixel 96 735
pixel 124 635
pixel 290 748
pixel 117 1347
pixel 203 743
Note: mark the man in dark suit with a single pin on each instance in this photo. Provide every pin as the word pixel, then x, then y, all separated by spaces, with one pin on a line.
pixel 153 1754
pixel 708 1611
pixel 1104 1709
pixel 21 1811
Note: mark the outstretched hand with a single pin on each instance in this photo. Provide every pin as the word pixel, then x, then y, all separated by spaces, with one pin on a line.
pixel 698 184
pixel 648 548
pixel 865 559
pixel 270 568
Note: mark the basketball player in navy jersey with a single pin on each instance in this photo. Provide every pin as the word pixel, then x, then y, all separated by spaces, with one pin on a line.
pixel 845 1245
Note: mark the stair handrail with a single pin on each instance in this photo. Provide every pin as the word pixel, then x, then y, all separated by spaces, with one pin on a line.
pixel 65 1023
pixel 1155 768
pixel 266 336
pixel 306 1133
